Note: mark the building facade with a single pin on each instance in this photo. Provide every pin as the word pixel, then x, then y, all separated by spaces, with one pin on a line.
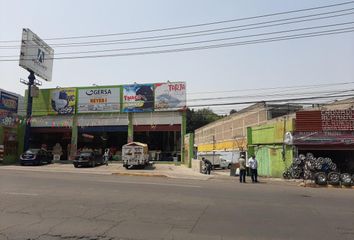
pixel 229 134
pixel 110 116
pixel 11 133
pixel 271 145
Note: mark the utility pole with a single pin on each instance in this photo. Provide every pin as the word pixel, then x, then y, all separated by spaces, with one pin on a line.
pixel 213 149
pixel 30 83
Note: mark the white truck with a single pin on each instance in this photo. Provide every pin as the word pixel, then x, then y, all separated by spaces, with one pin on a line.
pixel 135 154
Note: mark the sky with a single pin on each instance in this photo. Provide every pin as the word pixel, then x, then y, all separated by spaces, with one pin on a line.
pixel 209 73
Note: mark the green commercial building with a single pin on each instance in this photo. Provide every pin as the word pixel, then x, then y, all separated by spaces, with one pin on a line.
pixel 269 144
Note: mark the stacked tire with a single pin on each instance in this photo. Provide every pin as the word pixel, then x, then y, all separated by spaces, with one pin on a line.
pixel 321 169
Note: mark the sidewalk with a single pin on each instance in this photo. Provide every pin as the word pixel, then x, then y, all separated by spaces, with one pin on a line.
pixel 157 170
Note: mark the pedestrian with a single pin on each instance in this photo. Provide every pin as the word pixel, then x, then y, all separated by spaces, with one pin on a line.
pixel 207 165
pixel 242 162
pixel 106 156
pixel 248 172
pixel 253 166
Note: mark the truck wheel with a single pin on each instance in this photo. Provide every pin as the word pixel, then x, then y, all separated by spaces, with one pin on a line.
pixel 76 165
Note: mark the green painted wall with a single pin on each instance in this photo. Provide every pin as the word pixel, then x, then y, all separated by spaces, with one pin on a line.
pixel 270 159
pixel 270 133
pixel 266 142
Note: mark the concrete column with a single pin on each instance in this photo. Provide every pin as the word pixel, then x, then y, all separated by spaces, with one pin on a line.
pixel 183 133
pixel 74 134
pixel 130 128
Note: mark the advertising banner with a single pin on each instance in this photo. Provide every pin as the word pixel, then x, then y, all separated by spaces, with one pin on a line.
pixel 62 101
pixel 170 96
pixel 98 99
pixel 8 102
pixel 36 55
pixel 138 98
pixel 7 119
pixel 40 105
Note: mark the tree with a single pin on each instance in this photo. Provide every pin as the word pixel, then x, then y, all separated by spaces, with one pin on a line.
pixel 199 118
pixel 233 111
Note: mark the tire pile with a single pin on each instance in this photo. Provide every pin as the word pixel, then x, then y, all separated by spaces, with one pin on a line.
pixel 321 170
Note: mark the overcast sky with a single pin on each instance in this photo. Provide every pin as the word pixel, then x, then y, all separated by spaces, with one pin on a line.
pixel 319 60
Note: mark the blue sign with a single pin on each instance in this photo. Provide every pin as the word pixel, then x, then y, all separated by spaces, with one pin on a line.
pixel 8 102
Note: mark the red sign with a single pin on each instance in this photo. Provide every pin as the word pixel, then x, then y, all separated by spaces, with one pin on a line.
pixel 337 120
pixel 331 120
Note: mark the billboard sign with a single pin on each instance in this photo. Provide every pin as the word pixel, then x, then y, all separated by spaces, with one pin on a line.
pixel 138 98
pixel 62 101
pixel 170 96
pixel 7 119
pixel 8 102
pixel 99 99
pixel 36 55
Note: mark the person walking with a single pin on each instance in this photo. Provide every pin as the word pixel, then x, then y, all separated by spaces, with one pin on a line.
pixel 242 162
pixel 208 165
pixel 106 156
pixel 253 166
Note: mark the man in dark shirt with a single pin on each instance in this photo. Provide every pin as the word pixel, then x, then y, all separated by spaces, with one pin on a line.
pixel 207 164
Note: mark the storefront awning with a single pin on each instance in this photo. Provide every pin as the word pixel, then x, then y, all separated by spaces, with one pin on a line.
pixel 334 138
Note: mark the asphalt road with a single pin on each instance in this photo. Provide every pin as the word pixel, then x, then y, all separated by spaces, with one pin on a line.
pixel 53 206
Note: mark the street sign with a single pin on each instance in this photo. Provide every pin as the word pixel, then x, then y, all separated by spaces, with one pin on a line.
pixel 36 55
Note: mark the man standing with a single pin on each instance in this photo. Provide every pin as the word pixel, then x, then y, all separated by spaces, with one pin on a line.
pixel 253 166
pixel 242 162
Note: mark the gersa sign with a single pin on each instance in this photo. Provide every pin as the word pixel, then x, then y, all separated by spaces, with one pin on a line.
pixel 36 55
pixel 102 99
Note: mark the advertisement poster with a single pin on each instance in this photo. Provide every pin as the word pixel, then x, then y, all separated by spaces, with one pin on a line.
pixel 41 103
pixel 170 96
pixel 8 102
pixel 138 98
pixel 62 101
pixel 102 99
pixel 7 119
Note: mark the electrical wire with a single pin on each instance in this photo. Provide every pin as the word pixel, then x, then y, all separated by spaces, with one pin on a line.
pixel 187 35
pixel 160 38
pixel 264 40
pixel 199 25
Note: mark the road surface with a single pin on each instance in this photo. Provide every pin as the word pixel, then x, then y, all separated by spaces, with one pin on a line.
pixel 54 206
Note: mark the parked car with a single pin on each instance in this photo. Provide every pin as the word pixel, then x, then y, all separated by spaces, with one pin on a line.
pixel 88 159
pixel 36 157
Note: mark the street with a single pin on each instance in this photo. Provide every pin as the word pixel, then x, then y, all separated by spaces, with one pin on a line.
pixel 55 205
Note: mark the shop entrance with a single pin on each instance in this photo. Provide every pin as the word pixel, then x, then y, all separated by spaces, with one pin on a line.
pixel 51 136
pixel 343 158
pixel 163 146
pixel 100 138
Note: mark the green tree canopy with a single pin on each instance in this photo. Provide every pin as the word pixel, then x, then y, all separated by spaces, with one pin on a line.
pixel 199 118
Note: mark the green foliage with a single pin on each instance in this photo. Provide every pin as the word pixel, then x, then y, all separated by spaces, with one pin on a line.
pixel 199 118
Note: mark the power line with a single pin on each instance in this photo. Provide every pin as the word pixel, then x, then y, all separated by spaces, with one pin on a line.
pixel 275 88
pixel 182 35
pixel 272 100
pixel 198 25
pixel 264 40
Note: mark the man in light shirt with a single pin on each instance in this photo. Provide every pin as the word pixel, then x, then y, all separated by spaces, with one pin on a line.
pixel 242 163
pixel 253 166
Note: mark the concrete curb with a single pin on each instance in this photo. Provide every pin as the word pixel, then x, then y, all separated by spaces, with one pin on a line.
pixel 314 185
pixel 139 174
